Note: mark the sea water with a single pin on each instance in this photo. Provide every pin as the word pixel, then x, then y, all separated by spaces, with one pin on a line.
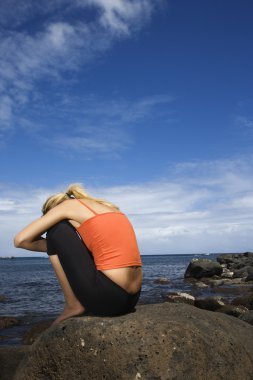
pixel 32 290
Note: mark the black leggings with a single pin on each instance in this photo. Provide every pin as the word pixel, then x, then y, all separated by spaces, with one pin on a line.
pixel 96 292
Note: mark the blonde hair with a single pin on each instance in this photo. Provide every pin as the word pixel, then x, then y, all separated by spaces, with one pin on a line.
pixel 74 190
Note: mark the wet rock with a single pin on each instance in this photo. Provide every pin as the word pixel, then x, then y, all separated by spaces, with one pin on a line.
pixel 180 297
pixel 210 303
pixel 243 272
pixel 245 300
pixel 162 341
pixel 201 285
pixel 217 282
pixel 8 322
pixel 162 281
pixel 225 281
pixel 235 311
pixel 236 261
pixel 3 298
pixel 199 268
pixel 232 289
pixel 247 317
pixel 226 273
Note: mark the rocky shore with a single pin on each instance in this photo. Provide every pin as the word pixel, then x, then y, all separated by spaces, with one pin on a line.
pixel 176 339
pixel 230 283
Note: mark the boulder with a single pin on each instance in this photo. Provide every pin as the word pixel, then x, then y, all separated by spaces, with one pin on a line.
pixel 199 268
pixel 169 341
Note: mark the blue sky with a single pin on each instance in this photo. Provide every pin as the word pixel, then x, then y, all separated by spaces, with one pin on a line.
pixel 147 103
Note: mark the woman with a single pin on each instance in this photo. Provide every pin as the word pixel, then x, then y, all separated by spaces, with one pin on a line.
pixel 93 249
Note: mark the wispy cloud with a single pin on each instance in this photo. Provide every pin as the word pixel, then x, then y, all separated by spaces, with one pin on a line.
pixel 197 207
pixel 55 42
pixel 244 122
pixel 95 125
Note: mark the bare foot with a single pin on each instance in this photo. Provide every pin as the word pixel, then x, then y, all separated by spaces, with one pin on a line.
pixel 69 312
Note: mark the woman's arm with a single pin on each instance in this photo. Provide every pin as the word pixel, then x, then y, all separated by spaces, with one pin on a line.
pixel 31 236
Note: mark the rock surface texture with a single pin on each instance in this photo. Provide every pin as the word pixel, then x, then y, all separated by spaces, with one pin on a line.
pixel 168 341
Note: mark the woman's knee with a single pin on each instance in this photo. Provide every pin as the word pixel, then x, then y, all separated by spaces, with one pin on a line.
pixel 58 230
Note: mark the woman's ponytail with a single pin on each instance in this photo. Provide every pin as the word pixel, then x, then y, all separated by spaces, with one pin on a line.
pixel 77 191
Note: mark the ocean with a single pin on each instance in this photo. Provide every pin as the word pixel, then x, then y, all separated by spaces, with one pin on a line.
pixel 33 293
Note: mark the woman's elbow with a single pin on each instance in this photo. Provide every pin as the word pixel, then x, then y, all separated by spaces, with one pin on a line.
pixel 18 241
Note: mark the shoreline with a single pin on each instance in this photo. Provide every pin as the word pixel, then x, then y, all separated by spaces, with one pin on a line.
pixel 15 327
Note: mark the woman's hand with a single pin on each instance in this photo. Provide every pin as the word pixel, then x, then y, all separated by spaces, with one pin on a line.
pixel 30 237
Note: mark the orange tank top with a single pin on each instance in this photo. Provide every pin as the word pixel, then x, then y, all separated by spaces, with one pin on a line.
pixel 111 239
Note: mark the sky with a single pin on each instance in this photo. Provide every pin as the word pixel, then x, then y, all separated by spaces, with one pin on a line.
pixel 147 103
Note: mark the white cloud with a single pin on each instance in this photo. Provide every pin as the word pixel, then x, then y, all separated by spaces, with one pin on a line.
pixel 58 42
pixel 59 33
pixel 120 15
pixel 202 211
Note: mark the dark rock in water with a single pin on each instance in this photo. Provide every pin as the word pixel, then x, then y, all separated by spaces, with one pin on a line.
pixel 199 268
pixel 245 300
pixel 8 322
pixel 247 317
pixel 210 303
pixel 3 298
pixel 162 341
pixel 180 297
pixel 162 281
pixel 10 358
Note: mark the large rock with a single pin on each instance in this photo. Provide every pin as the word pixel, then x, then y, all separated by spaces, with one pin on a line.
pixel 169 341
pixel 199 268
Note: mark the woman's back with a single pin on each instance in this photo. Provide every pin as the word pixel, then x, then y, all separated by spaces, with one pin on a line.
pixel 110 237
